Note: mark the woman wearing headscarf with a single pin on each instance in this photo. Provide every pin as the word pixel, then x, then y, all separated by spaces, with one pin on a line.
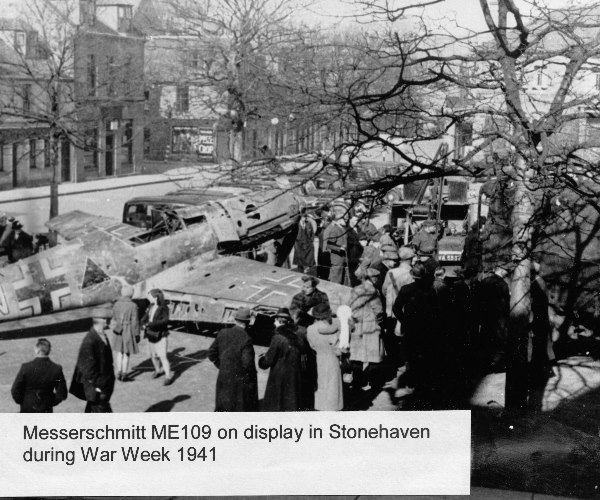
pixel 285 358
pixel 322 336
pixel 126 329
pixel 155 323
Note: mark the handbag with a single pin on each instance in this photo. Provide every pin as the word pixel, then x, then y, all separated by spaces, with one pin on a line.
pixel 152 335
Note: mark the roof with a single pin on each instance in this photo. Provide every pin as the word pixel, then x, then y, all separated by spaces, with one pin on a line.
pixel 14 24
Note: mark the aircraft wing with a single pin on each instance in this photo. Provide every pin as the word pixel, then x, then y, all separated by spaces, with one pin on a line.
pixel 211 292
pixel 77 223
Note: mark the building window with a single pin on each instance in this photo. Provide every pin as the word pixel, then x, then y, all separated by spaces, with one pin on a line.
pixel 26 96
pixel 127 143
pixel 182 99
pixel 92 73
pixel 124 13
pixel 464 135
pixel 33 154
pixel 111 75
pixel 90 151
pixel 194 59
pixel 21 42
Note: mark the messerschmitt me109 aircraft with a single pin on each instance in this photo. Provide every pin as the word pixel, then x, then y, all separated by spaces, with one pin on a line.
pixel 167 241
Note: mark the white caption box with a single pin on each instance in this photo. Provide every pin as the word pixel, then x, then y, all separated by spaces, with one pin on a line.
pixel 378 453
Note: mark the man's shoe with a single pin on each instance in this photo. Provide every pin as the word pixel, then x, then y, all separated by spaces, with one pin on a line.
pixel 119 376
pixel 168 381
pixel 126 378
pixel 157 374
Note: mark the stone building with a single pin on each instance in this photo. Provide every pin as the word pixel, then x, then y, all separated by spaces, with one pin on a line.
pixel 25 146
pixel 109 89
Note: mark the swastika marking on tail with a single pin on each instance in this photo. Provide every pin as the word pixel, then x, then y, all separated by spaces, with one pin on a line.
pixel 43 288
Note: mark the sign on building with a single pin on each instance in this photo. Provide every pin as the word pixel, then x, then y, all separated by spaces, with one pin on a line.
pixel 193 141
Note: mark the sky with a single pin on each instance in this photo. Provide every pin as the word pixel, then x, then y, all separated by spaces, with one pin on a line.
pixel 336 13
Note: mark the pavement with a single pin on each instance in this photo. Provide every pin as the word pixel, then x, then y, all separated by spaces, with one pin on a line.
pixel 104 196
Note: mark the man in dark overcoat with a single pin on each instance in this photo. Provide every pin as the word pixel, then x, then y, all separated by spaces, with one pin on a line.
pixel 493 307
pixel 40 384
pixel 94 376
pixel 304 247
pixel 336 243
pixel 286 358
pixel 417 309
pixel 304 301
pixel 233 354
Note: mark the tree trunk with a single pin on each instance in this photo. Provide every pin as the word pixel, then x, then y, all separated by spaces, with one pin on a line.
pixel 54 182
pixel 516 389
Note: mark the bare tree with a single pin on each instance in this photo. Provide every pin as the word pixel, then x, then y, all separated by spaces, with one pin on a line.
pixel 238 42
pixel 524 87
pixel 43 83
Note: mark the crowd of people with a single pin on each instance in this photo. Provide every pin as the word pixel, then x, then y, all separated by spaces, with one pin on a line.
pixel 403 312
pixel 102 358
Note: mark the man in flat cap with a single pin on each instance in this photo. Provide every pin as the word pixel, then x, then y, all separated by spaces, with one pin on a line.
pixel 233 354
pixel 94 376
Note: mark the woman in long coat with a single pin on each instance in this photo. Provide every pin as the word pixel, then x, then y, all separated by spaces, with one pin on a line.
pixel 322 336
pixel 366 345
pixel 126 329
pixel 285 359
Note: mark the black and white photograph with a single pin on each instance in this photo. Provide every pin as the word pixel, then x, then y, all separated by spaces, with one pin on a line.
pixel 309 206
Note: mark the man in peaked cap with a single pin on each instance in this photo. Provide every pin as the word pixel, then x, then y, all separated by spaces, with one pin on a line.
pixel 94 376
pixel 336 243
pixel 232 353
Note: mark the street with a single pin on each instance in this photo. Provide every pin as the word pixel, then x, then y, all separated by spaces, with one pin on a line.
pixel 192 390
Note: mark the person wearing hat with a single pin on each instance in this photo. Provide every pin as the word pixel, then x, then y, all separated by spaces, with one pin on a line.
pixel 371 255
pixel 425 241
pixel 285 358
pixel 417 309
pixel 232 353
pixel 493 307
pixel 304 247
pixel 94 376
pixel 336 243
pixel 155 328
pixel 40 384
pixel 19 244
pixel 305 300
pixel 323 256
pixel 125 325
pixel 387 242
pixel 394 280
pixel 366 345
pixel 322 337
